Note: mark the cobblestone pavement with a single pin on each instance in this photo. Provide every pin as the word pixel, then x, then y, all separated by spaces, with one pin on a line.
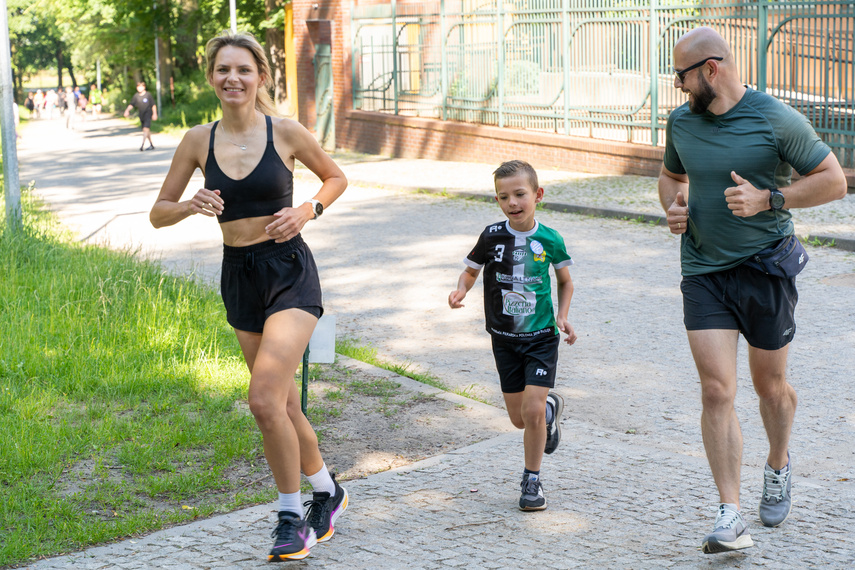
pixel 612 503
pixel 629 487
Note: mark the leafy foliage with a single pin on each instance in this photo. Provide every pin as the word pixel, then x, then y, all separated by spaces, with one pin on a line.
pixel 120 34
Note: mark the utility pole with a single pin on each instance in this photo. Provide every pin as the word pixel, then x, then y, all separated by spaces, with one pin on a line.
pixel 232 11
pixel 7 128
pixel 156 60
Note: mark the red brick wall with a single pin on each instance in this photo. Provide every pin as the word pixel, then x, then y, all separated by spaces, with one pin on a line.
pixel 415 137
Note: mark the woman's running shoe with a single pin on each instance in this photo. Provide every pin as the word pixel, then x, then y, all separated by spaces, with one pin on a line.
pixel 293 538
pixel 325 509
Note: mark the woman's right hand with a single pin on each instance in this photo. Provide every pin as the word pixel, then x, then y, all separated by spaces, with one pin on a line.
pixel 207 202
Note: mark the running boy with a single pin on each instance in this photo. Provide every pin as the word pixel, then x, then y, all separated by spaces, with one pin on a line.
pixel 517 253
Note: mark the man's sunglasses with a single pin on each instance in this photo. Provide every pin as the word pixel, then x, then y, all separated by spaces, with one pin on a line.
pixel 682 74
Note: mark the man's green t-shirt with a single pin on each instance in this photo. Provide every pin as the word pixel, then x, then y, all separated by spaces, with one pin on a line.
pixel 762 140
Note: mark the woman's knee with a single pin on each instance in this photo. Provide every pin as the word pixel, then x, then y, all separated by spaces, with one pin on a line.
pixel 266 411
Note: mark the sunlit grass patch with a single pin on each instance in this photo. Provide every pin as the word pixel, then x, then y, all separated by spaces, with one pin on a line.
pixel 121 392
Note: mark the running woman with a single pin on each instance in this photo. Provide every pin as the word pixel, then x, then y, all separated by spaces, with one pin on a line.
pixel 270 283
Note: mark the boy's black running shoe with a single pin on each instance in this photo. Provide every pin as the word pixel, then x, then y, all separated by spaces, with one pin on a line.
pixel 553 429
pixel 532 498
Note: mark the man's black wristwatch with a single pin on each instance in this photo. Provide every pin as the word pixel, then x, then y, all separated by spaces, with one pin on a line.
pixel 776 199
pixel 317 207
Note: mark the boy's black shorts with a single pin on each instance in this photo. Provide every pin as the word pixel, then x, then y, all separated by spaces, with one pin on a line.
pixel 145 120
pixel 522 364
pixel 268 277
pixel 760 306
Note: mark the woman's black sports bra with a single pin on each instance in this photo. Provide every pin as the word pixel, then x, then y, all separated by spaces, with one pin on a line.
pixel 263 192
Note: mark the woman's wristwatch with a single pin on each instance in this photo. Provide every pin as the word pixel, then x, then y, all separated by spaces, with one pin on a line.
pixel 317 207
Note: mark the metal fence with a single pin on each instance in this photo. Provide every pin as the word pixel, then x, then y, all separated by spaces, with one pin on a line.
pixel 596 68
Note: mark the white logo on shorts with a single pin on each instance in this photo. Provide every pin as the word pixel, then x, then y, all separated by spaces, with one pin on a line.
pixel 788 332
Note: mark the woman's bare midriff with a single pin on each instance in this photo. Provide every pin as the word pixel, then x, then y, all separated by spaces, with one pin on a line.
pixel 247 231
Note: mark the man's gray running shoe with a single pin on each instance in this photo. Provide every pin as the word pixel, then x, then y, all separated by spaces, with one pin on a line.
pixel 776 502
pixel 730 532
pixel 553 429
pixel 532 498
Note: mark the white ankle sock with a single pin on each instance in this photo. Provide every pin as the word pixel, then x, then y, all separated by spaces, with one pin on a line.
pixel 322 482
pixel 291 502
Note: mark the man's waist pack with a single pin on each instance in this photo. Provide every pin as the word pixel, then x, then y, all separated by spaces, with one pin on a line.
pixel 784 259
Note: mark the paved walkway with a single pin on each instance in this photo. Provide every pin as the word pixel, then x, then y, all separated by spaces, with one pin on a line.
pixel 629 487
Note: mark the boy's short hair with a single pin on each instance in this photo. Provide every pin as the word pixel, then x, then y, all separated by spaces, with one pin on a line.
pixel 514 167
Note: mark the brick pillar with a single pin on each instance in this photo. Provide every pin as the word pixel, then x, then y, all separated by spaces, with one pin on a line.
pixel 325 21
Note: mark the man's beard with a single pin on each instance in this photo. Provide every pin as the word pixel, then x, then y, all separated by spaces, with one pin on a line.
pixel 703 97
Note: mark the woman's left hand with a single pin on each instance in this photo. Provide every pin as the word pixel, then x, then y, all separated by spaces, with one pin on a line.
pixel 288 223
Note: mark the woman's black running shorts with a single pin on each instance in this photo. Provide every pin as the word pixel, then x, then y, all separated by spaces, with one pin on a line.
pixel 268 277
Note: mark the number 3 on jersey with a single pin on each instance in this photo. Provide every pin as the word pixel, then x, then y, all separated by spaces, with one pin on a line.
pixel 500 252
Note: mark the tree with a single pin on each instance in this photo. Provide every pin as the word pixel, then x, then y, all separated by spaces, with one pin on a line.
pixel 274 27
pixel 120 34
pixel 35 41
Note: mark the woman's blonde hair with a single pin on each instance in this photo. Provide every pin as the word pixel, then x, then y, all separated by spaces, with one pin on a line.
pixel 245 40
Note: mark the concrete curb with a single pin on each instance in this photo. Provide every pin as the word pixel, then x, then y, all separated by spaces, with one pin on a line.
pixel 844 244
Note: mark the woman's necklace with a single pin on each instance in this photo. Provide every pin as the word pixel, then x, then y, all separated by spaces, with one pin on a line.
pixel 229 138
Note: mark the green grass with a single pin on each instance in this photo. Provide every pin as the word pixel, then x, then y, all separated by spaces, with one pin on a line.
pixel 818 242
pixel 119 387
pixel 368 354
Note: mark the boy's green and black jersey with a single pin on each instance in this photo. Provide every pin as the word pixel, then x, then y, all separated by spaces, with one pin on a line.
pixel 517 288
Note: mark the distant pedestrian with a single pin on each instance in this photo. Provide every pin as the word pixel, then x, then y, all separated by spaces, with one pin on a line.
pixel 726 188
pixel 96 100
pixel 39 104
pixel 70 108
pixel 145 105
pixel 516 254
pixel 51 102
pixel 30 105
pixel 82 103
pixel 60 101
pixel 270 283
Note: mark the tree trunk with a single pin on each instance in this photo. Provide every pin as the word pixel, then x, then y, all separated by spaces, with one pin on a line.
pixel 71 74
pixel 165 52
pixel 164 47
pixel 276 47
pixel 185 59
pixel 59 66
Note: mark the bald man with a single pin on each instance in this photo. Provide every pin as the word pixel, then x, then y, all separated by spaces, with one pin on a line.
pixel 727 190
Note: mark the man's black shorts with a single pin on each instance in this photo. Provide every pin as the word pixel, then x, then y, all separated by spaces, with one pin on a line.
pixel 759 306
pixel 522 364
pixel 145 120
pixel 268 277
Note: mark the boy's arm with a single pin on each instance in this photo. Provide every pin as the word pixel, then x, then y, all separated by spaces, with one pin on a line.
pixel 565 294
pixel 464 284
